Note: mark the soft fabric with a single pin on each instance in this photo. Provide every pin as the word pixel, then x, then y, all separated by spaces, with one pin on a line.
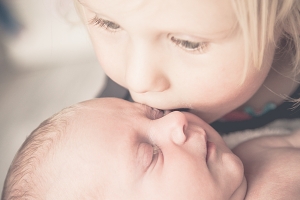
pixel 279 127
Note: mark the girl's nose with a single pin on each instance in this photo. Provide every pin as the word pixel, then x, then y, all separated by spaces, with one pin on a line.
pixel 170 129
pixel 144 70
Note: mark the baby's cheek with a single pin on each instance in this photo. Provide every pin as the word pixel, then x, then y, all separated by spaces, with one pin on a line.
pixel 149 188
pixel 112 67
pixel 110 54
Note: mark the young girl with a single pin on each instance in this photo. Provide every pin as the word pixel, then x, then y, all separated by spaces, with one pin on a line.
pixel 231 62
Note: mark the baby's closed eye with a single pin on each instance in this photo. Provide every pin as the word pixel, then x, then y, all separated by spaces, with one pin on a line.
pixel 147 154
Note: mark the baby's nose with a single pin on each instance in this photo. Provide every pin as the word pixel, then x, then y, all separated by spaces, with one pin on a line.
pixel 170 129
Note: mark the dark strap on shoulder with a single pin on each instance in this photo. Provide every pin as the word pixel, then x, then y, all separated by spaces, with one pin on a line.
pixel 287 110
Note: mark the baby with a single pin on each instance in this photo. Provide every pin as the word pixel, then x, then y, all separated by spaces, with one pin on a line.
pixel 113 149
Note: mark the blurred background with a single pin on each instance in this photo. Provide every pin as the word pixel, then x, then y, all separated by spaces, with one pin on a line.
pixel 46 63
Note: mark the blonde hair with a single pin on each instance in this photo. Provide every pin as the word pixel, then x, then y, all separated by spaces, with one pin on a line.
pixel 261 20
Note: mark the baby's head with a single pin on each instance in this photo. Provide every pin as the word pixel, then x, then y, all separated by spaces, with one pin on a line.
pixel 113 149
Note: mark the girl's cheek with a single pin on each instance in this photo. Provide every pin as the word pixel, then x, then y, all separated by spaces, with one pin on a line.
pixel 112 65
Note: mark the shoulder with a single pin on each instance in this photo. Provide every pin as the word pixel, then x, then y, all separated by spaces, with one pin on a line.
pixel 271 163
pixel 272 174
pixel 268 148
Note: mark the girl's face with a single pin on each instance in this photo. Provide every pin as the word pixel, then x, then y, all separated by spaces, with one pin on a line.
pixel 175 54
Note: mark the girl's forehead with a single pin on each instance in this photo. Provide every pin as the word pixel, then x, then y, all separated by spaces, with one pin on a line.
pixel 114 4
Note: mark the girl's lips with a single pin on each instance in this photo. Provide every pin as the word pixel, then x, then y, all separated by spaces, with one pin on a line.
pixel 178 109
pixel 181 109
pixel 167 112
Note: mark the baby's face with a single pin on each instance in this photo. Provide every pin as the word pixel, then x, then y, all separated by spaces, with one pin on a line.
pixel 130 151
pixel 175 54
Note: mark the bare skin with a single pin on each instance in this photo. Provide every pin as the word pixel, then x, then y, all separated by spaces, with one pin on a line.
pixel 271 166
pixel 114 149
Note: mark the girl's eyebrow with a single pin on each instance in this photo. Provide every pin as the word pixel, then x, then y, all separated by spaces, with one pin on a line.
pixel 84 4
pixel 90 8
pixel 78 1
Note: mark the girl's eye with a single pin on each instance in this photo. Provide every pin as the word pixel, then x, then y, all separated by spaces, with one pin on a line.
pixel 198 47
pixel 105 24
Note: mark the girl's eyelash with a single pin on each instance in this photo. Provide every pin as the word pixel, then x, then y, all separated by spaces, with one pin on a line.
pixel 105 24
pixel 194 47
pixel 198 47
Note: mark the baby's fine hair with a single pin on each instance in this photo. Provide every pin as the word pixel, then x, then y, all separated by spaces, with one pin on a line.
pixel 262 22
pixel 24 179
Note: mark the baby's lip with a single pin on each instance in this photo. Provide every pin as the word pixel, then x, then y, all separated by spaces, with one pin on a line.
pixel 200 137
pixel 205 142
